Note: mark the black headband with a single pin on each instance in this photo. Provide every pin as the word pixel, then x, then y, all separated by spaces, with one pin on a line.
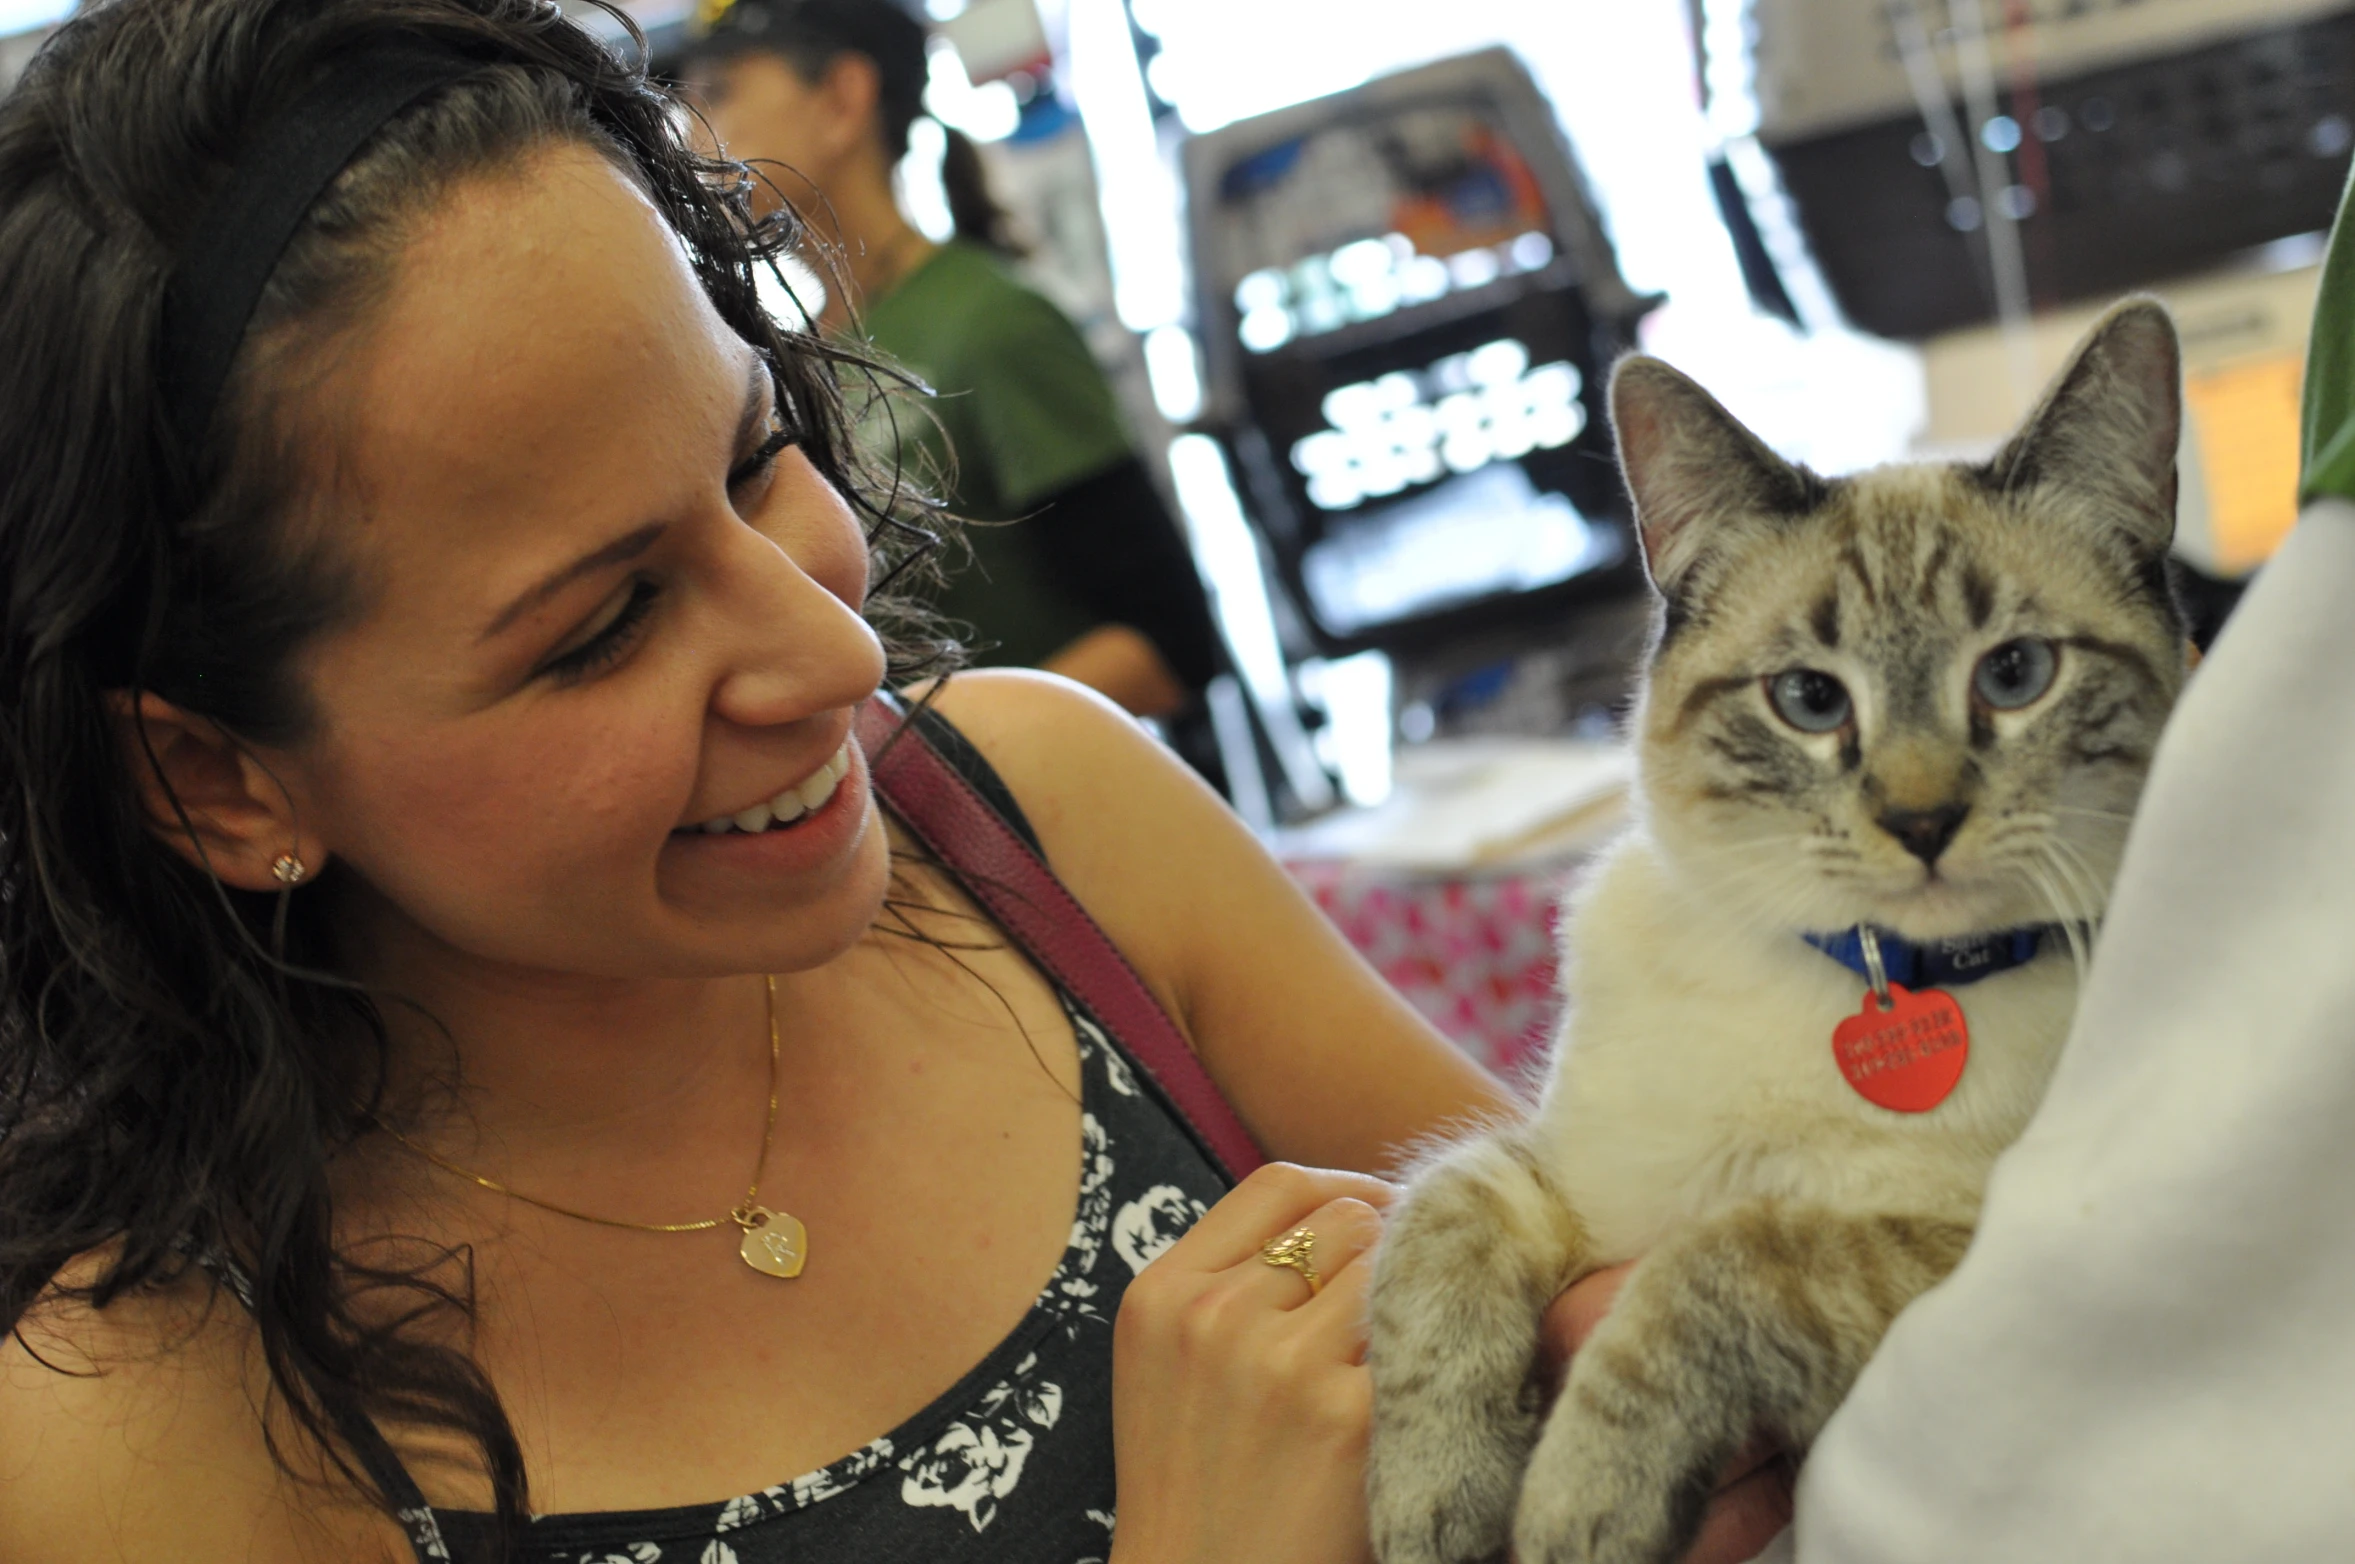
pixel 229 255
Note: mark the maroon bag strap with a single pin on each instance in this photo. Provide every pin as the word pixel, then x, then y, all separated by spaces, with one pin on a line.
pixel 1013 884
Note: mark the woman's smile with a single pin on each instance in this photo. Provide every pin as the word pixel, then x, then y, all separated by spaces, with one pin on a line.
pixel 764 840
pixel 795 800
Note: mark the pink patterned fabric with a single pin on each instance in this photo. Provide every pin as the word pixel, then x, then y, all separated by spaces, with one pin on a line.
pixel 1475 955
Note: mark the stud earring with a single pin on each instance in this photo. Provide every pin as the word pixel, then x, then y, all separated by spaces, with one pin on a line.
pixel 289 869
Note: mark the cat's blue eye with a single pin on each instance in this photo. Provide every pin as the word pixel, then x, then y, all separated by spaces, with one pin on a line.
pixel 1809 699
pixel 2015 673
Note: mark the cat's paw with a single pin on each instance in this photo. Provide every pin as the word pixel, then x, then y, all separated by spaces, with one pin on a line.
pixel 1597 1494
pixel 1441 1489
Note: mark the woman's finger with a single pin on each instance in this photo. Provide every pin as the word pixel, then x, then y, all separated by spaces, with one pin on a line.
pixel 1745 1516
pixel 1338 1314
pixel 1571 1318
pixel 1270 1203
pixel 1760 1451
pixel 1752 1500
pixel 1340 1232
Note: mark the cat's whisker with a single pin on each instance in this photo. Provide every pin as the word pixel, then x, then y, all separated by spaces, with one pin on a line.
pixel 2074 921
pixel 2040 888
pixel 2073 884
pixel 2122 816
pixel 1732 871
pixel 2083 888
pixel 1740 886
pixel 1741 868
pixel 2072 867
pixel 1756 845
pixel 2078 856
pixel 1757 891
pixel 2059 906
pixel 2057 893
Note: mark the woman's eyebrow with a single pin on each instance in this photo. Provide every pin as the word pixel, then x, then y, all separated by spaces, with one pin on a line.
pixel 631 545
pixel 757 385
pixel 624 548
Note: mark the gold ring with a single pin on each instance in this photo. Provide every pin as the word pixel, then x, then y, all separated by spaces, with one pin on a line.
pixel 1296 1251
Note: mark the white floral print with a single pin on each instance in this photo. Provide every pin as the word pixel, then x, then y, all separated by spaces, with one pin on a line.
pixel 978 1459
pixel 1092 1040
pixel 970 1469
pixel 1102 1518
pixel 1070 1292
pixel 425 1529
pixel 808 1489
pixel 1152 1222
pixel 819 1485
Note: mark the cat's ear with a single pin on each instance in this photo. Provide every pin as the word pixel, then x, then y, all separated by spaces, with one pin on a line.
pixel 1696 474
pixel 2107 429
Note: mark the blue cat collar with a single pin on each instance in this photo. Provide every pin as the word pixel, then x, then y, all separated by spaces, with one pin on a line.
pixel 1938 963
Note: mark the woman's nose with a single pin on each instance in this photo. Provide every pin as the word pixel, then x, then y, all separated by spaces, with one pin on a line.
pixel 795 647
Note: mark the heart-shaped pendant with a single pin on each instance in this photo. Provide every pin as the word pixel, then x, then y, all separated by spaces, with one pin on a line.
pixel 1908 1057
pixel 775 1242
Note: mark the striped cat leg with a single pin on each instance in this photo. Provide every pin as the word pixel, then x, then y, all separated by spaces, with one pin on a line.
pixel 1758 1318
pixel 1469 1258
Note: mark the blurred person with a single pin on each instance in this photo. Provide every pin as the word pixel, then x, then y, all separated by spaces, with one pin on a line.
pixel 1078 567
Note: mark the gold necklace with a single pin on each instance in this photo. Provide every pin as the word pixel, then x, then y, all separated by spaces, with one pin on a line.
pixel 775 1243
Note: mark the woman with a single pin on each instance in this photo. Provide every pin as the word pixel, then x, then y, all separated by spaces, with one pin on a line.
pixel 1080 570
pixel 434 828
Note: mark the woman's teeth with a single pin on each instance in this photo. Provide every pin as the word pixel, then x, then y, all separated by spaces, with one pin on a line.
pixel 809 794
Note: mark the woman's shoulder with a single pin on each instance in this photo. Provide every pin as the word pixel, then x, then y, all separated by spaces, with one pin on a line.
pixel 1323 1061
pixel 137 1431
pixel 1135 834
pixel 1083 770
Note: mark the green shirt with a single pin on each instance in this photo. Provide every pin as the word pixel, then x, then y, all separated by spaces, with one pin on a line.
pixel 1026 414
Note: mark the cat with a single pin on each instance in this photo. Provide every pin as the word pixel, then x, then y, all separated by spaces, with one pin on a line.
pixel 1920 700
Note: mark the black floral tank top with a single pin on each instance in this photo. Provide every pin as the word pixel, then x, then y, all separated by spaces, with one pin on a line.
pixel 1010 1465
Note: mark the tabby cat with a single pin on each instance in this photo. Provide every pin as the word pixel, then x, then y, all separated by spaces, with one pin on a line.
pixel 1913 709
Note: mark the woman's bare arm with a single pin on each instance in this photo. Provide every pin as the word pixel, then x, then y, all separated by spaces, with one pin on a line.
pixel 1326 1064
pixel 132 1435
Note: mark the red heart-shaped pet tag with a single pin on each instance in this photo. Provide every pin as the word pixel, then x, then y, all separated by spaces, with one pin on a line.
pixel 1906 1057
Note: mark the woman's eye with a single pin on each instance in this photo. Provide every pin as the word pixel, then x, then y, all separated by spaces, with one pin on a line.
pixel 2015 673
pixel 763 459
pixel 785 429
pixel 611 640
pixel 1809 699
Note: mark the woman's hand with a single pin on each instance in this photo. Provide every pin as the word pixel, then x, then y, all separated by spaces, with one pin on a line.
pixel 1753 1498
pixel 1240 1402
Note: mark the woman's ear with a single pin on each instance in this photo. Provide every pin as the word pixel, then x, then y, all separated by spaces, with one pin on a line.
pixel 851 92
pixel 208 798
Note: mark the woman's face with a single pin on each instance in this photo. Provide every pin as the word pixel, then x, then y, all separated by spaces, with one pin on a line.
pixel 802 133
pixel 595 618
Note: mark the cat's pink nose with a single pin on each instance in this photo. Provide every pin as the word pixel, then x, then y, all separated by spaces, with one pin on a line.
pixel 1925 833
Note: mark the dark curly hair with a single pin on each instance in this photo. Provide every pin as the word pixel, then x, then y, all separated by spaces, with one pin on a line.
pixel 179 1062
